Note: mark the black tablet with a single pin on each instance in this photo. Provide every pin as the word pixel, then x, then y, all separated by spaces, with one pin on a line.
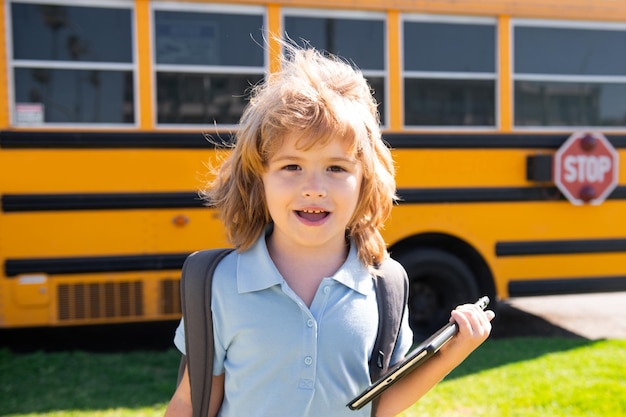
pixel 415 358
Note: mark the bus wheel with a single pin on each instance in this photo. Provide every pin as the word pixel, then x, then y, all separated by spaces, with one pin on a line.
pixel 438 282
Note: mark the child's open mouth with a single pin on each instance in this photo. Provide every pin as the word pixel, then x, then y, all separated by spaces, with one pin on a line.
pixel 312 215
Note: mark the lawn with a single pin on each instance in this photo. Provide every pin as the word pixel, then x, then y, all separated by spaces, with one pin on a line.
pixel 533 378
pixel 523 377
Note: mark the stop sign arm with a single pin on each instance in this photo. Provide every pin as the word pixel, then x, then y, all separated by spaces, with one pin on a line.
pixel 539 167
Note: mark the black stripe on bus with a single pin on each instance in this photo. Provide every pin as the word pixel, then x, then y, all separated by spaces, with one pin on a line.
pixel 94 264
pixel 477 194
pixel 489 194
pixel 523 288
pixel 111 140
pixel 560 247
pixel 99 201
pixel 485 140
pixel 124 201
pixel 185 140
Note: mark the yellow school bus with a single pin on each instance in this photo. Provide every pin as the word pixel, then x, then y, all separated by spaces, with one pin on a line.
pixel 488 106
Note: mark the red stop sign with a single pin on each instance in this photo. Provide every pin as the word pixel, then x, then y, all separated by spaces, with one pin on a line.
pixel 586 168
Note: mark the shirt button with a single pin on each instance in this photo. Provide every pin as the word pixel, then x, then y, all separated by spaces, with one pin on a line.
pixel 308 360
pixel 310 322
pixel 326 290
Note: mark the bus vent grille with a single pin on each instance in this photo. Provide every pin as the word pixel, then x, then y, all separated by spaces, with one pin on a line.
pixel 170 296
pixel 100 300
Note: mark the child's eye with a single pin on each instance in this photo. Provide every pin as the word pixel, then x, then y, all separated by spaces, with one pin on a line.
pixel 291 167
pixel 336 168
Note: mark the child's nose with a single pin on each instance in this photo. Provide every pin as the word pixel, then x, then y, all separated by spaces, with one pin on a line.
pixel 314 187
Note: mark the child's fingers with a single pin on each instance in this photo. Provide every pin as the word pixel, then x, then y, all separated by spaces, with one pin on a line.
pixel 490 314
pixel 472 320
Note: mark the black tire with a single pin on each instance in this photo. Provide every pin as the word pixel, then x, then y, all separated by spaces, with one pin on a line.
pixel 438 282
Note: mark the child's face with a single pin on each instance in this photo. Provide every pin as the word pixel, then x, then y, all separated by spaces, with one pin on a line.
pixel 312 194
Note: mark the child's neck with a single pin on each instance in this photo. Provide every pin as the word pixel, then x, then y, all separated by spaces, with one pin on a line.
pixel 304 270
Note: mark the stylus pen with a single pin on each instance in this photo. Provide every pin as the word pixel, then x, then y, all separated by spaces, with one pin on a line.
pixel 452 328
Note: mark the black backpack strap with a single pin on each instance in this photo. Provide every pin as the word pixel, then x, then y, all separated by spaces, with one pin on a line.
pixel 195 294
pixel 392 291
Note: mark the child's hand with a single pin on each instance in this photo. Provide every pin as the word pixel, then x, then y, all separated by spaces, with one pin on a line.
pixel 474 327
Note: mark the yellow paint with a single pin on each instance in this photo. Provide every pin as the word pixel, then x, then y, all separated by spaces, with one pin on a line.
pixel 24 301
pixel 505 69
pixel 144 65
pixel 613 10
pixel 395 71
pixel 275 31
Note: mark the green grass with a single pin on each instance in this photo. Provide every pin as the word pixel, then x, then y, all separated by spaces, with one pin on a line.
pixel 136 384
pixel 533 378
pixel 511 377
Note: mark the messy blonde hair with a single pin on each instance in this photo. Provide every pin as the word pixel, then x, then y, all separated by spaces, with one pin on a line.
pixel 319 98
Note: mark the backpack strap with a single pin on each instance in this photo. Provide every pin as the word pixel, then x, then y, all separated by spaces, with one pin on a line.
pixel 392 291
pixel 195 294
pixel 392 286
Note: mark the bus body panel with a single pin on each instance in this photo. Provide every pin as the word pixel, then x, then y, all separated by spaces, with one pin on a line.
pixel 99 199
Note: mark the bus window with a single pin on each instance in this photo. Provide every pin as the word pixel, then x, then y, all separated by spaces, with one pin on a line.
pixel 358 38
pixel 569 75
pixel 449 72
pixel 72 64
pixel 206 59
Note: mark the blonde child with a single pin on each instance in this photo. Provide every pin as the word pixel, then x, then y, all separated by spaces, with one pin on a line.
pixel 303 194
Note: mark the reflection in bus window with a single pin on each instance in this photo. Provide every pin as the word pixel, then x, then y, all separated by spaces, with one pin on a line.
pixel 208 39
pixel 78 96
pixel 569 76
pixel 202 98
pixel 543 50
pixel 205 63
pixel 449 72
pixel 458 47
pixel 539 103
pixel 67 33
pixel 431 102
pixel 72 64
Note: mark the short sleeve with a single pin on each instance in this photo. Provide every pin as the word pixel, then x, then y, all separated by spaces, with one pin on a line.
pixel 179 337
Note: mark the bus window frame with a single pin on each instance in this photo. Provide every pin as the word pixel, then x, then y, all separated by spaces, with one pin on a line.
pixel 13 64
pixel 451 75
pixel 256 10
pixel 590 79
pixel 351 15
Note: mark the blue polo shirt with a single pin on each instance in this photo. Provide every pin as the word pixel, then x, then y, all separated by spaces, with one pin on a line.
pixel 282 358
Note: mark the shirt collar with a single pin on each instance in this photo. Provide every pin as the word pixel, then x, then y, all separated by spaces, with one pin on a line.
pixel 353 274
pixel 256 271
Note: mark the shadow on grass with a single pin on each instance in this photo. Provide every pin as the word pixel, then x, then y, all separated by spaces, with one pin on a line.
pixel 518 336
pixel 513 322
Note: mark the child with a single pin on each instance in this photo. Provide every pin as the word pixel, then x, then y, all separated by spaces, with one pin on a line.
pixel 303 194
